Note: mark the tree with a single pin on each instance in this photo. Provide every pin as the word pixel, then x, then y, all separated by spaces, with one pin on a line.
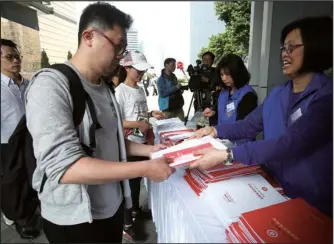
pixel 69 55
pixel 44 59
pixel 235 38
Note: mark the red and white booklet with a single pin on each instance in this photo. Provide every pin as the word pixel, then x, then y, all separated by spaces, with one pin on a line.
pixel 183 154
pixel 230 198
pixel 171 138
pixel 292 221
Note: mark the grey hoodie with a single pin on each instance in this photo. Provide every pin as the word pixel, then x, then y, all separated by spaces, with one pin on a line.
pixel 56 146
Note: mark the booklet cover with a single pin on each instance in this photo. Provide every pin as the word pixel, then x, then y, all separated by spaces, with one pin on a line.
pixel 230 198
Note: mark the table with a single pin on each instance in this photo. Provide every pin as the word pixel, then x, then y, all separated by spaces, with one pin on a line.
pixel 180 216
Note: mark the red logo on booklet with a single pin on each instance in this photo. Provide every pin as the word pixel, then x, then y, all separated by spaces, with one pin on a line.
pixel 264 189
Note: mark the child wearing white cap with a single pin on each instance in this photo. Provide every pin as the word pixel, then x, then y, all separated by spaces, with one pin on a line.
pixel 134 110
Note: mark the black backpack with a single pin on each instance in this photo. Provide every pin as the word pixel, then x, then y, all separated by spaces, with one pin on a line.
pixel 19 199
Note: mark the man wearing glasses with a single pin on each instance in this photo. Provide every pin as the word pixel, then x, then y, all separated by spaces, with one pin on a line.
pixel 82 200
pixel 13 86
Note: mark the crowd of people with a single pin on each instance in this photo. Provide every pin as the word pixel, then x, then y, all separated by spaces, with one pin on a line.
pixel 88 171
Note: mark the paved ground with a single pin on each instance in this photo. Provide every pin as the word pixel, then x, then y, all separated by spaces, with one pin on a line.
pixel 9 235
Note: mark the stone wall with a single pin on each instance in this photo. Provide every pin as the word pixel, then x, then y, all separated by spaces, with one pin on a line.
pixel 28 41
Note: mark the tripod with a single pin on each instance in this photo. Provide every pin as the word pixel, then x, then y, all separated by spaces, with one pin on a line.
pixel 198 95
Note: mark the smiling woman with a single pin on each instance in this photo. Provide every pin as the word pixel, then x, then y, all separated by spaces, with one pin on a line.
pixel 305 46
pixel 296 118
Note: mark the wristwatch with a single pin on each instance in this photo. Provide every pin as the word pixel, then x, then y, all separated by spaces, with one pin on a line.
pixel 150 114
pixel 229 159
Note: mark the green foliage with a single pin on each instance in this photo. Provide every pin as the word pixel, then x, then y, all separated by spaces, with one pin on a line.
pixel 69 55
pixel 44 59
pixel 235 38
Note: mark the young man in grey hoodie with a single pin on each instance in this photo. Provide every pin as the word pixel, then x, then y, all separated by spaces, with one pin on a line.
pixel 82 200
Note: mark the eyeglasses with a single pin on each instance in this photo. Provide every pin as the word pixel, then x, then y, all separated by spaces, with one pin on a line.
pixel 290 48
pixel 120 50
pixel 11 57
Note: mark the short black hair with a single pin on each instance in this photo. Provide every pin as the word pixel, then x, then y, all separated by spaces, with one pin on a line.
pixel 210 54
pixel 169 60
pixel 8 43
pixel 236 68
pixel 317 38
pixel 103 16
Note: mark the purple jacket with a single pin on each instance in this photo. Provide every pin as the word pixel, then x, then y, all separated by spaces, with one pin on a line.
pixel 298 144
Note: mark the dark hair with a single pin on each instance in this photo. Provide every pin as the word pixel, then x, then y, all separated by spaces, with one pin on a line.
pixel 121 74
pixel 210 54
pixel 103 16
pixel 234 66
pixel 8 43
pixel 317 37
pixel 169 60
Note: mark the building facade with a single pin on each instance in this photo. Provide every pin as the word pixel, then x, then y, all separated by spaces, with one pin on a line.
pixel 133 43
pixel 203 24
pixel 35 26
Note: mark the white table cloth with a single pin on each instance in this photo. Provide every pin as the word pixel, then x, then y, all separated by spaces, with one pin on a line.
pixel 180 216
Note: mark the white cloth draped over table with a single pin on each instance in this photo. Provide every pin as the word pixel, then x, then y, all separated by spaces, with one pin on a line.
pixel 180 216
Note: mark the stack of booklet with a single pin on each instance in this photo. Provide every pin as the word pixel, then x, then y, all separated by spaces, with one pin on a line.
pixel 199 179
pixel 172 138
pixel 292 221
pixel 169 125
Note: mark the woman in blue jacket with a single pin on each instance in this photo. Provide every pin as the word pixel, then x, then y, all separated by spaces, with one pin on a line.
pixel 238 98
pixel 296 118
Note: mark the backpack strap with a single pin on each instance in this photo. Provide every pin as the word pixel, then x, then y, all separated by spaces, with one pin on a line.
pixel 78 93
pixel 79 97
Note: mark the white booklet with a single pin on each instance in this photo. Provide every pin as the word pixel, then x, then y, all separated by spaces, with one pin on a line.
pixel 230 198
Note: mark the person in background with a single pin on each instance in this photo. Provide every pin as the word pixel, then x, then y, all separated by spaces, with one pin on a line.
pixel 154 84
pixel 13 86
pixel 208 59
pixel 146 83
pixel 115 77
pixel 82 199
pixel 296 118
pixel 133 106
pixel 170 91
pixel 238 98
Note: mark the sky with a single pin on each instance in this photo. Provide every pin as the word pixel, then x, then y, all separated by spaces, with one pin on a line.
pixel 163 27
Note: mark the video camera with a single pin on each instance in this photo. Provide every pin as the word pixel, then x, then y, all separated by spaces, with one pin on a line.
pixel 196 73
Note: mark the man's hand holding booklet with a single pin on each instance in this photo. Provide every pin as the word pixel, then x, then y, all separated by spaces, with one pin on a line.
pixel 188 151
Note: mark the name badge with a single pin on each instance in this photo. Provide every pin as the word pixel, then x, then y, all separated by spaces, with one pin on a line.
pixel 230 107
pixel 296 115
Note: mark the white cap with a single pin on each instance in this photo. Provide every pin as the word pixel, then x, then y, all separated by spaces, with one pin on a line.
pixel 137 60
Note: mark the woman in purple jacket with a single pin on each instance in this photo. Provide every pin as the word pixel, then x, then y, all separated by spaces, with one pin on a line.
pixel 296 118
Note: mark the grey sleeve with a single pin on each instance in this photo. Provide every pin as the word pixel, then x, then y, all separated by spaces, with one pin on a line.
pixel 50 123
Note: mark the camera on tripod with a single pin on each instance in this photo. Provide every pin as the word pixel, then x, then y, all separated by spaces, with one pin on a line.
pixel 196 74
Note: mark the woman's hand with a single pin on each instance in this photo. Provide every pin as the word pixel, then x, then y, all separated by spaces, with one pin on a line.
pixel 207 131
pixel 208 112
pixel 158 115
pixel 210 158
